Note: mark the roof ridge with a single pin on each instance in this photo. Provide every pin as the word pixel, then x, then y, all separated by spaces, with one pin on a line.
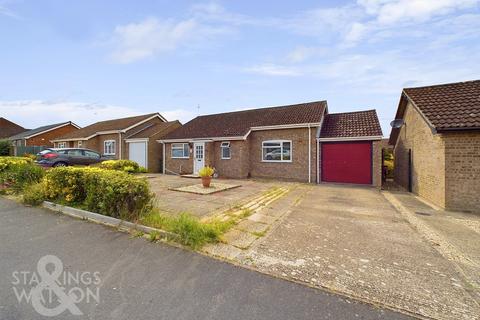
pixel 140 115
pixel 262 108
pixel 350 112
pixel 442 84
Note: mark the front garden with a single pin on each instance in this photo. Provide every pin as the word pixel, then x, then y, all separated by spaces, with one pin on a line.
pixel 112 189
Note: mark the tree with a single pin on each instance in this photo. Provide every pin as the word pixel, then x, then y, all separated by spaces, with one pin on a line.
pixel 5 147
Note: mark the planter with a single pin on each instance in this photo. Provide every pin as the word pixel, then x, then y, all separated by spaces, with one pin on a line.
pixel 206 181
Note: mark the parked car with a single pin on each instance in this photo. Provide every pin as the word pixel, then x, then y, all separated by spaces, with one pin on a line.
pixel 54 157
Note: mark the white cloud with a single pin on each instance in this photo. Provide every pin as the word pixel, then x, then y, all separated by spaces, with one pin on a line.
pixel 394 11
pixel 270 69
pixel 35 113
pixel 151 37
pixel 303 53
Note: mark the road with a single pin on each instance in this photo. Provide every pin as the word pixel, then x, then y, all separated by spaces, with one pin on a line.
pixel 143 280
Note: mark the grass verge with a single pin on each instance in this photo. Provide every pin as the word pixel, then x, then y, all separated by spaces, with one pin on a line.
pixel 190 231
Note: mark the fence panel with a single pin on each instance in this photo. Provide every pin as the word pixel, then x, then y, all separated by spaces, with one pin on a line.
pixel 20 151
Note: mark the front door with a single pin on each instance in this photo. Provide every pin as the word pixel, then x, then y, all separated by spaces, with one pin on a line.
pixel 137 151
pixel 198 156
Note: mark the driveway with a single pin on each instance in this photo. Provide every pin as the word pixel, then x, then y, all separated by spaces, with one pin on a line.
pixel 203 205
pixel 142 280
pixel 352 240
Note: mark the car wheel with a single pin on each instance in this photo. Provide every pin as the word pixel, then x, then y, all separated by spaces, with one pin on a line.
pixel 60 164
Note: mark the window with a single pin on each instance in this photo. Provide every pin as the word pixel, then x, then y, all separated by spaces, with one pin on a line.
pixel 91 154
pixel 79 144
pixel 75 153
pixel 109 147
pixel 61 145
pixel 277 151
pixel 225 150
pixel 180 150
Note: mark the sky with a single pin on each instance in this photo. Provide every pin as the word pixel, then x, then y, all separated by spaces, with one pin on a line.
pixel 87 61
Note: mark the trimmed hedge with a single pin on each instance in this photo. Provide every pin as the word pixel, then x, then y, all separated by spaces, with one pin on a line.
pixel 122 165
pixel 18 172
pixel 112 193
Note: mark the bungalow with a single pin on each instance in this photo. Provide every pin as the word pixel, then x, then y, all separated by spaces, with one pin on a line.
pixel 300 142
pixel 42 136
pixel 131 138
pixel 8 128
pixel 436 134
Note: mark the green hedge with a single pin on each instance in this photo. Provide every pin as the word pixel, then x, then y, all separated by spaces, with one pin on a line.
pixel 112 193
pixel 18 172
pixel 122 165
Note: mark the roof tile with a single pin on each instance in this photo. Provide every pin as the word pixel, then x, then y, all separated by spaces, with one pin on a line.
pixel 351 124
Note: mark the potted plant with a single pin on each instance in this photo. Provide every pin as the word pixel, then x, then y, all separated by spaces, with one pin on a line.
pixel 206 174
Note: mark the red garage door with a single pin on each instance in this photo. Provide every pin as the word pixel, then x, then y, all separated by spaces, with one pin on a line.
pixel 349 162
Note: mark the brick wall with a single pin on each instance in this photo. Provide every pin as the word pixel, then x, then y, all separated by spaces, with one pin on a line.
pixel 44 139
pixel 237 165
pixel 428 158
pixel 295 170
pixel 462 174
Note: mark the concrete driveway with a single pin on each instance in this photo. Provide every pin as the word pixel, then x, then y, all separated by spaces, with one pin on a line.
pixel 352 240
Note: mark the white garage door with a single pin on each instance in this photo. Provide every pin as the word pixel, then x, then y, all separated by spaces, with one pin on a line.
pixel 138 153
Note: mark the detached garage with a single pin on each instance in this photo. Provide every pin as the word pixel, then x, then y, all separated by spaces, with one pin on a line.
pixel 349 148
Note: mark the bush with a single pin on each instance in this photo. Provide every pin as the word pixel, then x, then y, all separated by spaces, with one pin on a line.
pixel 108 192
pixel 122 165
pixel 190 231
pixel 34 194
pixel 5 147
pixel 206 171
pixel 19 172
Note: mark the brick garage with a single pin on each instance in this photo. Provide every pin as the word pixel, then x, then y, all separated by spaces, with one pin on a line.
pixel 255 135
pixel 437 149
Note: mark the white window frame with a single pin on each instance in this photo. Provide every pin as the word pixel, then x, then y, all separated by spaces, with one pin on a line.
pixel 281 150
pixel 79 143
pixel 181 146
pixel 105 147
pixel 225 145
pixel 61 145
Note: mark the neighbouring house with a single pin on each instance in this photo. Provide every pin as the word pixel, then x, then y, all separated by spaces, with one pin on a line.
pixel 300 142
pixel 131 138
pixel 437 144
pixel 42 136
pixel 8 128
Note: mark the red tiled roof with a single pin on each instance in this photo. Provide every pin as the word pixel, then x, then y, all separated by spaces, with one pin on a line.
pixel 109 125
pixel 238 123
pixel 8 128
pixel 351 124
pixel 150 130
pixel 449 106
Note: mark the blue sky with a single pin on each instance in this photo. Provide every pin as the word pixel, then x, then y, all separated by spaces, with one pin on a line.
pixel 87 61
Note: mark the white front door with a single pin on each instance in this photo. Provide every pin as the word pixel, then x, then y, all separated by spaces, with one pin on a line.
pixel 198 156
pixel 137 151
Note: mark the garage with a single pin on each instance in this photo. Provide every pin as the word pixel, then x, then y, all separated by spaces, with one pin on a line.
pixel 347 162
pixel 137 151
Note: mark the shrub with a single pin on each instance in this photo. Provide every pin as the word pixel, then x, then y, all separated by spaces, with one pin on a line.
pixel 190 231
pixel 5 147
pixel 112 193
pixel 30 156
pixel 34 194
pixel 122 165
pixel 19 172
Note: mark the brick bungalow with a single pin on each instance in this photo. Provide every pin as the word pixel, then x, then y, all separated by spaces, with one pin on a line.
pixel 9 128
pixel 437 144
pixel 42 136
pixel 285 142
pixel 131 138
